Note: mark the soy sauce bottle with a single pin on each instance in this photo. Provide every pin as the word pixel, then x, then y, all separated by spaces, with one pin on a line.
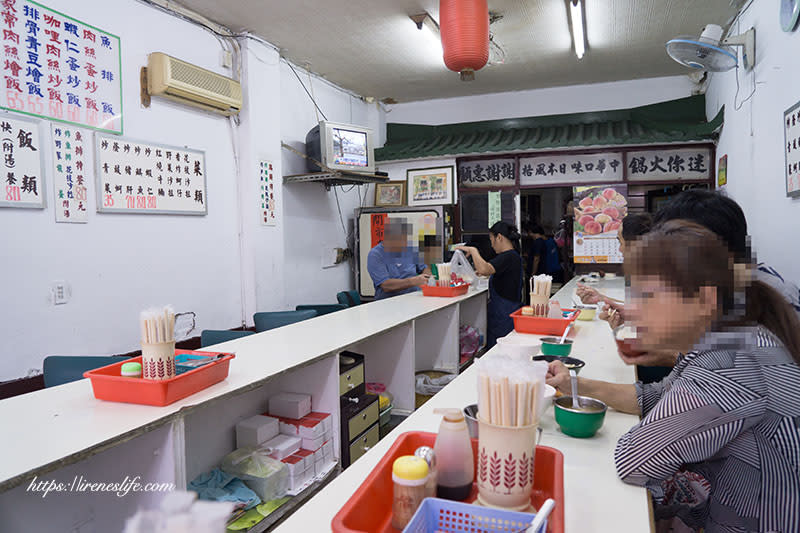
pixel 455 463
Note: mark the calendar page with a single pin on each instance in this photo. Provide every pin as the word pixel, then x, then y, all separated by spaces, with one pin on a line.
pixel 598 213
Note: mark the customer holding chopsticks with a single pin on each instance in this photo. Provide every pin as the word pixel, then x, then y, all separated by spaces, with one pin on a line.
pixel 505 282
pixel 719 442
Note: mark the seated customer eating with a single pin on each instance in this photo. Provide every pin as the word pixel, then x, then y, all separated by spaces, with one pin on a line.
pixel 718 445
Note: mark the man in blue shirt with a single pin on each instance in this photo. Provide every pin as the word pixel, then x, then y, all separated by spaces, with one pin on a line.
pixel 394 265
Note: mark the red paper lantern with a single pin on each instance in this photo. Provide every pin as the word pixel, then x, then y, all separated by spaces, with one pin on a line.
pixel 464 26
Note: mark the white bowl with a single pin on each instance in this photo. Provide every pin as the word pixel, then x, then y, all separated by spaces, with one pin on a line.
pixel 519 346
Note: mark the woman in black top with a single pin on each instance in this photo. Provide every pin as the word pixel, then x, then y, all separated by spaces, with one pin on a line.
pixel 505 283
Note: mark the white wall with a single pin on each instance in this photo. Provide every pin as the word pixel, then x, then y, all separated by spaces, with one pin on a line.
pixel 753 137
pixel 311 216
pixel 119 264
pixel 537 102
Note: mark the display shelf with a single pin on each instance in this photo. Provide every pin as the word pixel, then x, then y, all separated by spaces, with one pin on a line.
pixel 335 177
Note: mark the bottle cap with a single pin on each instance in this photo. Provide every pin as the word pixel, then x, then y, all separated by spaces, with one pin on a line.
pixel 410 467
pixel 131 368
pixel 450 414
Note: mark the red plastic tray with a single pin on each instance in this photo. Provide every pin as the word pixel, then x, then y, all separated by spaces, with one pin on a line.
pixel 427 290
pixel 542 325
pixel 369 509
pixel 107 383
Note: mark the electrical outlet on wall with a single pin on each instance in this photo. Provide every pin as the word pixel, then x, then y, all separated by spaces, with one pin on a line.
pixel 226 59
pixel 61 292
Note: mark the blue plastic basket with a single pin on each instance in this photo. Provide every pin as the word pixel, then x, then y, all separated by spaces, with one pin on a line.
pixel 435 515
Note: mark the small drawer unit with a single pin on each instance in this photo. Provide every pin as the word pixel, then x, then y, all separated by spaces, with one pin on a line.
pixel 351 374
pixel 359 426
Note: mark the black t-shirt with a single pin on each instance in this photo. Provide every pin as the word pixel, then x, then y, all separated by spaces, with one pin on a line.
pixel 537 249
pixel 507 276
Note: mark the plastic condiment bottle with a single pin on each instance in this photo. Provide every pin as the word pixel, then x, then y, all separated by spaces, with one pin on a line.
pixel 554 310
pixel 455 463
pixel 427 453
pixel 409 474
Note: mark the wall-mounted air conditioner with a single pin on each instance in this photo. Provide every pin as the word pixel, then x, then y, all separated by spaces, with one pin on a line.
pixel 189 84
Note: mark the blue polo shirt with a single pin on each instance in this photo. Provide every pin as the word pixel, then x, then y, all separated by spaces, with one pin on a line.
pixel 383 265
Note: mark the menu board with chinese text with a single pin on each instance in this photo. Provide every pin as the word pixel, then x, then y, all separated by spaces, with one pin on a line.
pixel 70 186
pixel 22 172
pixel 269 209
pixel 791 121
pixel 60 68
pixel 678 164
pixel 142 177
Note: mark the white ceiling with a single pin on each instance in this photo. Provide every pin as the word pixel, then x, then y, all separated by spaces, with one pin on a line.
pixel 372 48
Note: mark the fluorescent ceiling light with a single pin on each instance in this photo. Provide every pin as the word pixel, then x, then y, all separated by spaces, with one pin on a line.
pixel 578 29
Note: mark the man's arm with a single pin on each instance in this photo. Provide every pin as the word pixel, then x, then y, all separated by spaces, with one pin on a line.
pixel 396 284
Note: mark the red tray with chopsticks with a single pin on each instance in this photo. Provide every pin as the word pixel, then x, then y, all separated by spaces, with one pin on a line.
pixel 450 292
pixel 369 509
pixel 540 325
pixel 109 385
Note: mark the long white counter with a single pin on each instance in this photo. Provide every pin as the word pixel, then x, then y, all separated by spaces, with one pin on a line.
pixel 596 500
pixel 62 432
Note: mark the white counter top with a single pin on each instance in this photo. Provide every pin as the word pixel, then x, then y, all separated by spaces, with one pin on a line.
pixel 596 500
pixel 47 429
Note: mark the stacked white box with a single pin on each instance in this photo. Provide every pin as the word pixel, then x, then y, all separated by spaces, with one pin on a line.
pixel 290 405
pixel 283 446
pixel 256 430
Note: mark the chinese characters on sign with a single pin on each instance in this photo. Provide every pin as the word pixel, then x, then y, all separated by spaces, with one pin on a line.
pixel 566 168
pixel 59 68
pixel 791 128
pixel 140 177
pixel 495 210
pixel 667 165
pixel 70 186
pixel 376 223
pixel 487 173
pixel 22 175
pixel 267 181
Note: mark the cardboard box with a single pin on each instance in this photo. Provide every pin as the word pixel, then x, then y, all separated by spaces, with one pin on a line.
pixel 326 418
pixel 290 405
pixel 283 446
pixel 296 465
pixel 256 430
pixel 314 444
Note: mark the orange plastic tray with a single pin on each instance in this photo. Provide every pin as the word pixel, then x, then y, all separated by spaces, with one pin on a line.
pixel 542 325
pixel 107 383
pixel 427 290
pixel 369 509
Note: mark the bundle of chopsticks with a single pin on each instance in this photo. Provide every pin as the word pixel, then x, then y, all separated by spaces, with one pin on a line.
pixel 158 325
pixel 509 391
pixel 541 284
pixel 443 270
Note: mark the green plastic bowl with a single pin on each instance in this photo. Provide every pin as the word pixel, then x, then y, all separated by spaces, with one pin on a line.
pixel 550 346
pixel 581 424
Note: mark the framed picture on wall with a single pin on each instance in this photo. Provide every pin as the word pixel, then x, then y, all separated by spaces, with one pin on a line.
pixel 791 149
pixel 430 186
pixel 390 194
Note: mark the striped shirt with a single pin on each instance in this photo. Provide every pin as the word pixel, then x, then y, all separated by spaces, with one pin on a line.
pixel 719 441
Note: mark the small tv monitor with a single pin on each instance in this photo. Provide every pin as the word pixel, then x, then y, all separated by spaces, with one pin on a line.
pixel 341 147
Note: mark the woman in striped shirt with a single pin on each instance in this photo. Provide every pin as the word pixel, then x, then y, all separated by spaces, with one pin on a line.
pixel 718 445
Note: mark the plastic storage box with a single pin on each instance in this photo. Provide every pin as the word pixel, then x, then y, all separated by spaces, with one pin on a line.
pixel 369 509
pixel 444 291
pixel 542 325
pixel 108 384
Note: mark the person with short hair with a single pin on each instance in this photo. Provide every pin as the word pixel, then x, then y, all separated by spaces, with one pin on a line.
pixel 505 281
pixel 394 265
